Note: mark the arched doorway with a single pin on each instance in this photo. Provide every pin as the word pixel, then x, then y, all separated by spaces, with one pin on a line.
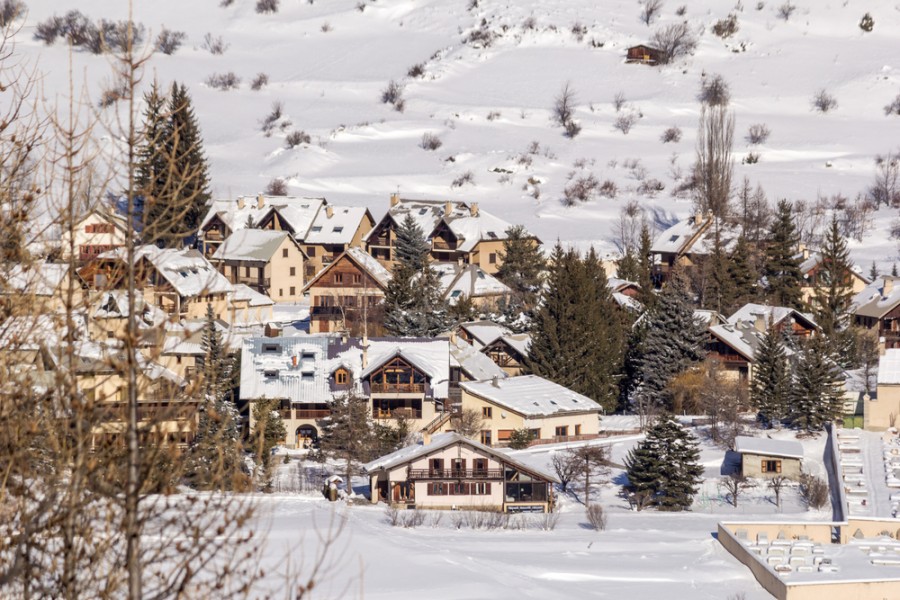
pixel 306 436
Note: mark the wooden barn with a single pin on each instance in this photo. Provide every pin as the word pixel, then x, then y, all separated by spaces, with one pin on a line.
pixel 644 54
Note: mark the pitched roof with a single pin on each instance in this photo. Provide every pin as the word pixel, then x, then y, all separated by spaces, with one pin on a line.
pixel 676 238
pixel 520 342
pixel 268 371
pixel 484 332
pixel 814 259
pixel 766 447
pixel 243 291
pixel 878 298
pixel 298 212
pixel 531 396
pixel 363 260
pixel 751 311
pixel 339 227
pixel 443 440
pixel 113 304
pixel 472 362
pixel 186 270
pixel 40 279
pixel 426 213
pixel 468 280
pixel 889 367
pixel 475 226
pixel 251 245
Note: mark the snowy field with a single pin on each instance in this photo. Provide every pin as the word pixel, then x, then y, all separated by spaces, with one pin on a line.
pixel 328 62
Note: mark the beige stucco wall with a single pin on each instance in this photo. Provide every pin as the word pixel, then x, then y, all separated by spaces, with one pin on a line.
pixel 278 271
pixel 878 410
pixel 492 501
pixel 751 465
pixel 481 254
pixel 82 238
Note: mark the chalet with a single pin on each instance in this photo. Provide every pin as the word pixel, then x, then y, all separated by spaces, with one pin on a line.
pixel 766 458
pixel 249 308
pixel 643 54
pixel 470 281
pixel 42 286
pixel 481 333
pixel 509 352
pixel 98 231
pixel 810 268
pixel 269 262
pixel 109 318
pixel 877 309
pixel 784 319
pixel 467 364
pixel 682 244
pixel 334 230
pixel 180 282
pixel 449 471
pixel 342 294
pixel 550 411
pixel 457 232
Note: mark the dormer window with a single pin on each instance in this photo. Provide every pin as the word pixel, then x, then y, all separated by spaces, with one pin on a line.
pixel 271 348
pixel 317 228
pixel 341 377
pixel 338 229
pixel 308 355
pixel 674 238
pixel 270 373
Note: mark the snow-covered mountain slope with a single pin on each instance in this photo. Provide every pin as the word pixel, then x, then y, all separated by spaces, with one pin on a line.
pixel 328 62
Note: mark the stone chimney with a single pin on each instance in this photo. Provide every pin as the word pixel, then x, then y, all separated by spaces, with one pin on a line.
pixel 888 287
pixel 273 330
pixel 241 203
pixel 260 201
pixel 473 209
pixel 395 199
pixel 759 322
pixel 448 208
pixel 329 211
pixel 495 381
pixel 426 438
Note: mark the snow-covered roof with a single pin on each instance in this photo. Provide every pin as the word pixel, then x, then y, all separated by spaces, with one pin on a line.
pixel 474 227
pixel 742 337
pixel 475 364
pixel 39 279
pixel 627 302
pixel 294 368
pixel 617 285
pixel 484 332
pixel 335 225
pixel 244 292
pixel 676 238
pixel 520 342
pixel 186 270
pixel 363 260
pixel 709 317
pixel 750 311
pixel 113 304
pixel 878 298
pixel 767 447
pixel 468 280
pixel 814 259
pixel 298 213
pixel 251 245
pixel 531 396
pixel 426 213
pixel 889 367
pixel 442 440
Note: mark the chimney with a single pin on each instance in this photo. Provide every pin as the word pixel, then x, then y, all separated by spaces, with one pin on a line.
pixel 273 330
pixel 495 381
pixel 241 202
pixel 760 322
pixel 260 201
pixel 453 337
pixel 329 211
pixel 426 438
pixel 395 199
pixel 804 251
pixel 294 361
pixel 448 208
pixel 473 209
pixel 888 287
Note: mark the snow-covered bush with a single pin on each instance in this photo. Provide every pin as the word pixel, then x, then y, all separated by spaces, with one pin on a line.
pixel 493 115
pixel 326 27
pixel 214 45
pixel 714 91
pixel 581 189
pixel 268 123
pixel 168 41
pixel 894 107
pixel 727 27
pixel 430 141
pixel 10 10
pixel 823 101
pixel 674 41
pixel 416 71
pixel 393 95
pixel 650 187
pixel 625 121
pixel 266 6
pixel 786 10
pixel 867 23
pixel 672 134
pixel 223 81
pixel 758 133
pixel 608 189
pixel 579 31
pixel 297 137
pixel 595 516
pixel 276 187
pixel 751 159
pixel 259 82
pixel 466 178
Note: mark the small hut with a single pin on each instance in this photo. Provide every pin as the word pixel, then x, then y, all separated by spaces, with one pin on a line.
pixel 643 54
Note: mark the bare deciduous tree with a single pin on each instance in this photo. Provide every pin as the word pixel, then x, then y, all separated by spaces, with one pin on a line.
pixel 674 41
pixel 564 110
pixel 734 486
pixel 590 462
pixel 649 10
pixel 467 422
pixel 715 165
pixel 777 485
pixel 565 468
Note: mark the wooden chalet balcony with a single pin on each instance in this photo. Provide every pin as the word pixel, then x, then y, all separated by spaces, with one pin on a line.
pixel 441 244
pixel 380 241
pixel 311 413
pixel 455 474
pixel 213 235
pixel 326 311
pixel 406 413
pixel 398 388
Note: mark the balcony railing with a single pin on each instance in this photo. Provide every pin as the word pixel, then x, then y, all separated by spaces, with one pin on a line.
pixel 406 413
pixel 456 474
pixel 398 388
pixel 311 413
pixel 326 311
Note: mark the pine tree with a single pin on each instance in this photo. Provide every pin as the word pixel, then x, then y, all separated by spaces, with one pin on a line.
pixel 873 272
pixel 833 295
pixel 151 174
pixel 742 274
pixel 269 431
pixel 349 432
pixel 815 395
pixel 628 267
pixel 665 465
pixel 410 246
pixel 719 289
pixel 577 333
pixel 782 268
pixel 521 267
pixel 645 279
pixel 674 342
pixel 770 386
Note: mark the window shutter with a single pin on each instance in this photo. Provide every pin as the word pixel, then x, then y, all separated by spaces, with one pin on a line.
pixel 487 489
pixel 764 470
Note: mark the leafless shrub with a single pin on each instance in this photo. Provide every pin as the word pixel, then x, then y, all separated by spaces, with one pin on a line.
pixel 393 95
pixel 867 23
pixel 786 10
pixel 751 158
pixel 579 31
pixel 760 5
pixel 436 517
pixel 650 187
pixel 392 515
pixel 565 468
pixel 430 141
pixel 266 6
pixel 411 519
pixel 326 27
pixel 672 134
pixel 625 121
pixel 734 485
pixel 416 71
pixel 10 10
pixel 168 41
pixel 276 187
pixel 259 82
pixel 596 517
pixel 297 137
pixel 619 101
pixel 813 491
pixel 214 45
pixel 480 37
pixel 572 129
pixel 493 115
pixel 886 187
pixel 894 107
pixel 681 10
pixel 268 124
pixel 714 91
pixel 649 10
pixel 758 133
pixel 226 3
pixel 727 27
pixel 777 485
pixel 564 105
pixel 824 102
pixel 608 189
pixel 223 81
pixel 466 178
pixel 529 24
pixel 113 94
pixel 674 41
pixel 581 189
pixel 548 521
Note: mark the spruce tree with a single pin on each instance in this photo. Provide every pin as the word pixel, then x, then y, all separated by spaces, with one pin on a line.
pixel 742 274
pixel 833 294
pixel 674 342
pixel 645 278
pixel 151 174
pixel 782 267
pixel 628 266
pixel 410 244
pixel 873 272
pixel 349 433
pixel 522 267
pixel 719 290
pixel 816 397
pixel 770 386
pixel 665 465
pixel 268 432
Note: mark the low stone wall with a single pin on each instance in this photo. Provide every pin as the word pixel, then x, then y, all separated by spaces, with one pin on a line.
pixel 819 532
pixel 766 578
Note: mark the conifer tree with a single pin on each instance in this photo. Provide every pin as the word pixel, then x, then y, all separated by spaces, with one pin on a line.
pixel 410 244
pixel 665 465
pixel 674 342
pixel 152 165
pixel 742 274
pixel 873 272
pixel 815 395
pixel 894 270
pixel 719 289
pixel 782 267
pixel 833 295
pixel 770 386
pixel 269 431
pixel 645 278
pixel 349 432
pixel 216 452
pixel 628 266
pixel 522 266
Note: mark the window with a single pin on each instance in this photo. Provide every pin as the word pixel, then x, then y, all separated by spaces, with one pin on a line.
pixel 492 258
pixel 270 374
pixel 269 348
pixel 771 466
pixel 338 229
pixel 357 278
pixel 293 271
pixel 481 489
pixel 316 228
pixel 280 292
pixel 246 271
pixel 480 466
pixel 311 251
pixel 307 376
pixel 459 489
pixel 341 377
pixel 458 465
pixel 284 253
pixel 437 489
pixel 339 278
pixel 562 431
pixel 436 465
pixel 293 291
pixel 486 411
pixel 578 430
pixel 486 437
